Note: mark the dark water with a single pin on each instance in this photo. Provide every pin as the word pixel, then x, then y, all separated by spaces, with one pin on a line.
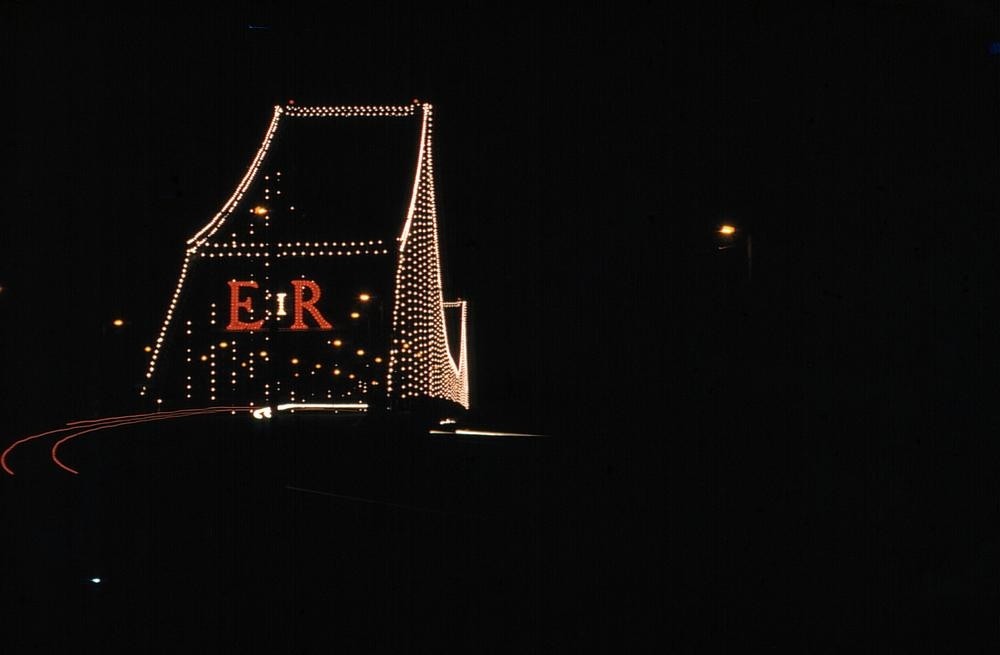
pixel 306 534
pixel 219 535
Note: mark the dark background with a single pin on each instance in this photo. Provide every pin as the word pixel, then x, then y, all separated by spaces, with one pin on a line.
pixel 806 456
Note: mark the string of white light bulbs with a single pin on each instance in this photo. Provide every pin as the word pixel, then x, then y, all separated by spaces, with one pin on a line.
pixel 420 361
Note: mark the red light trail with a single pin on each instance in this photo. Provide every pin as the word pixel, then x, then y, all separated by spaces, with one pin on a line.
pixel 94 425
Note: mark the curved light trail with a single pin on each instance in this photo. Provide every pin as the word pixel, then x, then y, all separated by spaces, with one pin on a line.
pixel 92 425
pixel 147 419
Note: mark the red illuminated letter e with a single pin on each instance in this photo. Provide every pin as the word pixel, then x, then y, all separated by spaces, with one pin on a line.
pixel 235 304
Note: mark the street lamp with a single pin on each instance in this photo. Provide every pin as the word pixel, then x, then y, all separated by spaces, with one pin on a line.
pixel 729 232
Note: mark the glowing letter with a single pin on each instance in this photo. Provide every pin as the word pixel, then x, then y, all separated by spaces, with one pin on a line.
pixel 301 303
pixel 235 304
pixel 281 304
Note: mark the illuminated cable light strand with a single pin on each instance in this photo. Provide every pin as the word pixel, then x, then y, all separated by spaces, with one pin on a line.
pixel 350 111
pixel 160 339
pixel 220 218
pixel 407 308
pixel 420 362
pixel 458 385
pixel 211 228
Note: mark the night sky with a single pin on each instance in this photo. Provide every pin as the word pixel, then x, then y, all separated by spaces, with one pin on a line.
pixel 820 436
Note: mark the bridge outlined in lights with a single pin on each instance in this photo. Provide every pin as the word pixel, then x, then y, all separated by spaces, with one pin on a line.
pixel 275 311
pixel 303 289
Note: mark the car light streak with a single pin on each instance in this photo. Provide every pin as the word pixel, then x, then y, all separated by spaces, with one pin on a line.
pixel 481 433
pixel 358 407
pixel 146 419
pixel 107 421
